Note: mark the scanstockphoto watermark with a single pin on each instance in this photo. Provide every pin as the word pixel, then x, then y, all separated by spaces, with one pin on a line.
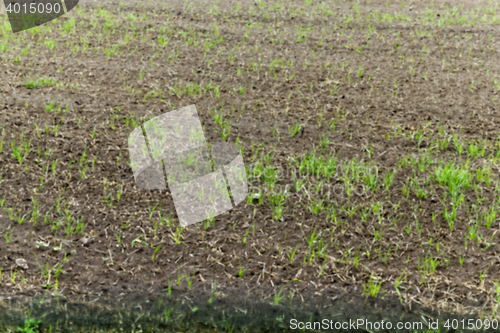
pixel 309 190
pixel 366 173
pixel 364 324
pixel 27 14
pixel 471 324
pixel 204 180
pixel 323 182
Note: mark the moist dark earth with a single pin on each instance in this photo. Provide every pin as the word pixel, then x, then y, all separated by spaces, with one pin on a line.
pixel 361 88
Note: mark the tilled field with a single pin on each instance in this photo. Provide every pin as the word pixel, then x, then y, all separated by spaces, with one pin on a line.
pixel 369 131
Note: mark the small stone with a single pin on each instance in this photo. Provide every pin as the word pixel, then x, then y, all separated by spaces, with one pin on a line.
pixel 22 263
pixel 86 241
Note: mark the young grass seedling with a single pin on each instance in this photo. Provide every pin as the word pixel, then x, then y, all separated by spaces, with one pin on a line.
pixel 245 237
pixel 372 288
pixel 177 236
pixel 241 271
pixel 278 297
pixel 156 250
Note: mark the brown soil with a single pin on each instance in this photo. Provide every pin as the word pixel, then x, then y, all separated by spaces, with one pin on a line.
pixel 365 112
